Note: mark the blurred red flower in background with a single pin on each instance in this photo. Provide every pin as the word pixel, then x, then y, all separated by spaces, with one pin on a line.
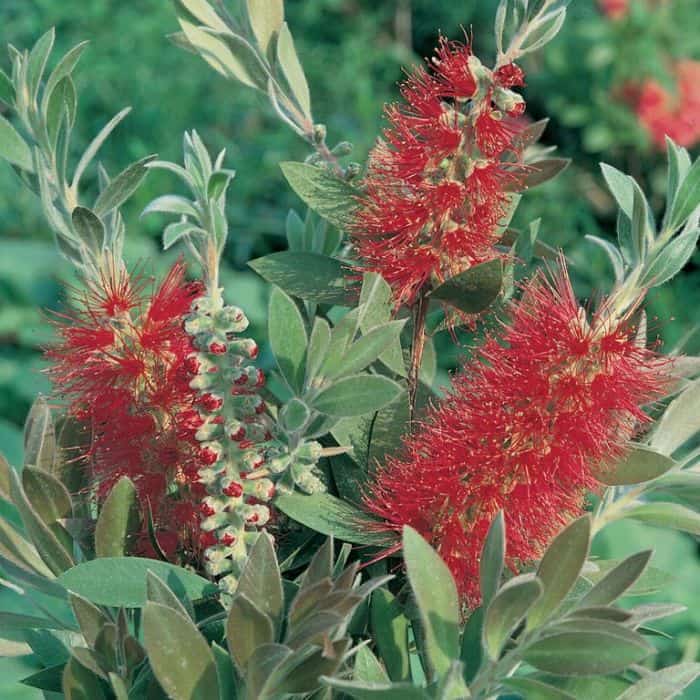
pixel 615 9
pixel 677 116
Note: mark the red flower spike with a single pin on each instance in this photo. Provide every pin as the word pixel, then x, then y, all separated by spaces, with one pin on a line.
pixel 422 218
pixel 123 365
pixel 526 421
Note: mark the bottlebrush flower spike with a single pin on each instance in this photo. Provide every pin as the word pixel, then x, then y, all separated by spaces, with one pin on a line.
pixel 120 365
pixel 241 459
pixel 439 183
pixel 526 423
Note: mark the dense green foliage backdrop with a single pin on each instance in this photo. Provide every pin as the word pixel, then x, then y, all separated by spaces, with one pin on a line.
pixel 353 51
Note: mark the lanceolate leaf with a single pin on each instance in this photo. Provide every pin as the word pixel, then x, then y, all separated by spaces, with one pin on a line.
pixel 334 199
pixel 288 337
pixel 507 610
pixel 122 186
pixel 666 683
pixel 474 290
pixel 671 259
pixel 369 347
pixel 309 276
pixel 266 18
pixel 261 580
pixel 378 691
pixel 179 655
pixel 559 569
pixel 89 228
pixel 368 668
pixel 331 516
pixel 247 628
pixel 39 436
pixel 638 465
pixel 50 549
pixel 544 170
pixel 13 147
pixel 390 633
pixel 533 689
pixel 117 521
pixel 293 70
pixel 492 557
pixel 121 581
pixel 687 199
pixel 617 581
pixel 680 421
pixel 671 515
pixel 47 495
pixel 436 595
pixel 356 395
pixel 621 186
pixel 610 649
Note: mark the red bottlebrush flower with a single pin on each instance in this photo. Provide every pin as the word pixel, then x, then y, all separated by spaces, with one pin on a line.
pixel 527 421
pixel 422 218
pixel 615 9
pixel 121 366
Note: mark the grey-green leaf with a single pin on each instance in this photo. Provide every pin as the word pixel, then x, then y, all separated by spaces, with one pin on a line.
pixel 602 649
pixel 356 395
pixel 473 290
pixel 288 339
pixel 331 516
pixel 293 70
pixel 121 581
pixel 118 520
pixel 533 689
pixel 40 436
pixel 13 147
pixel 492 559
pixel 50 549
pixel 247 628
pixel 47 495
pixel 435 592
pixel 266 18
pixel 560 568
pixel 369 348
pixel 621 186
pixel 90 229
pixel 687 198
pixel 390 634
pixel 638 465
pixel 507 611
pixel 680 421
pixel 329 196
pixel 261 580
pixel 617 581
pixel 670 515
pixel 179 655
pixel 663 684
pixel 309 276
pixel 122 186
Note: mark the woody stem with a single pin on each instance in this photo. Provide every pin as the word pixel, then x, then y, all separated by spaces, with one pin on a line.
pixel 420 311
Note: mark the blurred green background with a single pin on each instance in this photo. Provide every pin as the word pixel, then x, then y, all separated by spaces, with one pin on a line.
pixel 353 52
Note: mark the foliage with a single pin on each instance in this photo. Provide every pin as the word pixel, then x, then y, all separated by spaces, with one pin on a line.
pixel 296 583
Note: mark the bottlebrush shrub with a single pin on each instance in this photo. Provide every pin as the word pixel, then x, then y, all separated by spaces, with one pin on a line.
pixel 184 528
